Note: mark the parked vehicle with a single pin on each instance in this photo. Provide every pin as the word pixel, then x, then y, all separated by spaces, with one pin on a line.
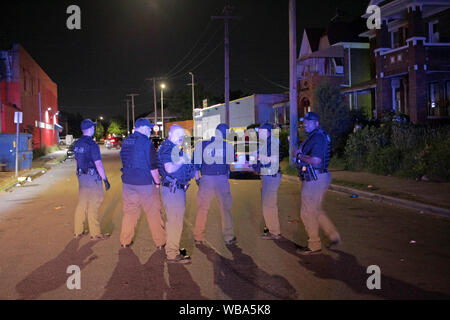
pixel 156 141
pixel 70 151
pixel 246 154
pixel 114 142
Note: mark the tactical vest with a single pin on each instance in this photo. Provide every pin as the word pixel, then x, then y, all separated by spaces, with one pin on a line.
pixel 183 175
pixel 326 150
pixel 214 168
pixel 269 152
pixel 135 152
pixel 82 150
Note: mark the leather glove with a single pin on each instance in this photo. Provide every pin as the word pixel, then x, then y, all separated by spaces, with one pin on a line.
pixel 107 185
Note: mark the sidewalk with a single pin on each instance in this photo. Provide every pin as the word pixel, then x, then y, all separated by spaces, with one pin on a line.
pixel 426 197
pixel 432 193
pixel 39 167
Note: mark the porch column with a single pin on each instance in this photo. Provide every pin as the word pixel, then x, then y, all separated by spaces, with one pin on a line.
pixel 418 95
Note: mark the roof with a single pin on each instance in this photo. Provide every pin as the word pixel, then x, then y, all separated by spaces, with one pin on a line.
pixel 331 52
pixel 314 35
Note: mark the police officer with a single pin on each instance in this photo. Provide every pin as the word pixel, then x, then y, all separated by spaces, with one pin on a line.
pixel 141 185
pixel 215 156
pixel 315 153
pixel 91 175
pixel 269 157
pixel 176 171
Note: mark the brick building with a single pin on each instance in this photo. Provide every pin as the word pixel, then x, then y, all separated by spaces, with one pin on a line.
pixel 26 88
pixel 411 53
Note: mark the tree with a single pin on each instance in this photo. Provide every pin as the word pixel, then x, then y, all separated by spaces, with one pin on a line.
pixel 99 131
pixel 117 126
pixel 335 117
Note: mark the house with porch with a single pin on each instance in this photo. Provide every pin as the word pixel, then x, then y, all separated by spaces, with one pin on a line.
pixel 337 55
pixel 411 52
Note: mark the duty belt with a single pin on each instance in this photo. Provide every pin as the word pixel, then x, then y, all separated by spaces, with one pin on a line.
pixel 171 185
pixel 89 171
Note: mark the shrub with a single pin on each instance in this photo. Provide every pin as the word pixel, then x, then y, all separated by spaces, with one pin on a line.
pixel 334 115
pixel 356 150
pixel 39 152
pixel 337 162
pixel 284 143
pixel 384 160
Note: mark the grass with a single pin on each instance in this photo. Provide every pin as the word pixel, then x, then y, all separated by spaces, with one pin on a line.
pixel 380 191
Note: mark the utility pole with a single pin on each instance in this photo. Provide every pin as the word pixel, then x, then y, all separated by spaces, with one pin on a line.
pixel 163 86
pixel 128 116
pixel 132 95
pixel 226 19
pixel 293 80
pixel 154 98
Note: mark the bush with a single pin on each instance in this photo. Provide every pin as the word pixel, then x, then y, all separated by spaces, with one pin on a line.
pixel 44 150
pixel 401 148
pixel 356 150
pixel 384 160
pixel 334 115
pixel 39 152
pixel 284 143
pixel 338 163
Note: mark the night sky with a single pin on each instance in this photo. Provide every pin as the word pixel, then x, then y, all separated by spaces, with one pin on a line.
pixel 122 42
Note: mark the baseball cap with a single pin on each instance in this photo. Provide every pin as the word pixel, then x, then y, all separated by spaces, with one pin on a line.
pixel 87 124
pixel 311 116
pixel 142 122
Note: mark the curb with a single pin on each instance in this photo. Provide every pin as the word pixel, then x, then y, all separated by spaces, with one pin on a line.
pixel 424 208
pixel 33 175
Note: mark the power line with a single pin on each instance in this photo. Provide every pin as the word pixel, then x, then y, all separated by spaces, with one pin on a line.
pixel 192 49
pixel 272 82
pixel 194 57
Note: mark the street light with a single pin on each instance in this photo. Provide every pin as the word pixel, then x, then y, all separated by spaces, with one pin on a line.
pixel 163 86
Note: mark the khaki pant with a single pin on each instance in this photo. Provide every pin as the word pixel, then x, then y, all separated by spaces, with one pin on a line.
pixel 145 197
pixel 90 198
pixel 220 187
pixel 269 198
pixel 312 214
pixel 174 205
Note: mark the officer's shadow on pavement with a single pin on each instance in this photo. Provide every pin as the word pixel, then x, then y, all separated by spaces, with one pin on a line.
pixel 347 270
pixel 53 274
pixel 132 280
pixel 241 279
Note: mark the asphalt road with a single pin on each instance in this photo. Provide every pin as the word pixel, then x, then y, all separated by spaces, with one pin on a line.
pixel 36 247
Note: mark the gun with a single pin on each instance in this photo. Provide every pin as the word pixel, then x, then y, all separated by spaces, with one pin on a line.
pixel 305 170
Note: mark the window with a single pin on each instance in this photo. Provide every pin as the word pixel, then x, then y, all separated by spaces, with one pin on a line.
pixel 395 39
pixel 434 98
pixel 339 65
pixel 433 31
